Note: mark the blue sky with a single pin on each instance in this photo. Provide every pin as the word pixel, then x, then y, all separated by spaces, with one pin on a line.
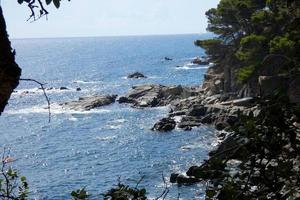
pixel 110 18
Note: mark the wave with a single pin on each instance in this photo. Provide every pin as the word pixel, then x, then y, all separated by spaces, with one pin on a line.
pixel 55 109
pixel 119 121
pixel 39 91
pixel 191 66
pixel 86 82
pixel 108 138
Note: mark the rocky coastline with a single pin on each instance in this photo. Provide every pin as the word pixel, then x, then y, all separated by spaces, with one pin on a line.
pixel 248 150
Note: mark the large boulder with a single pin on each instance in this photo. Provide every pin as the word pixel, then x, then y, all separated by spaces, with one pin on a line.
pixel 136 75
pixel 200 61
pixel 90 102
pixel 183 179
pixel 165 125
pixel 153 95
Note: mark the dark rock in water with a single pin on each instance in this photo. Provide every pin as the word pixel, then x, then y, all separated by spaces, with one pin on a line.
pixel 153 95
pixel 168 59
pixel 173 178
pixel 90 102
pixel 63 88
pixel 165 125
pixel 182 179
pixel 136 75
pixel 78 89
pixel 187 128
pixel 199 61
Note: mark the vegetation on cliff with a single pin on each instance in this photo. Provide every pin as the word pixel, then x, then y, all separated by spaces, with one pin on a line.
pixel 256 53
pixel 249 33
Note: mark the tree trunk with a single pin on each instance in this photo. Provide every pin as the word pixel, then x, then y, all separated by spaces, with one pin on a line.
pixel 9 70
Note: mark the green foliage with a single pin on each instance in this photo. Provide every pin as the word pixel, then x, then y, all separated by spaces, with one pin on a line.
pixel 282 45
pixel 80 194
pixel 244 73
pixel 251 48
pixel 248 31
pixel 213 47
pixel 12 185
pixel 125 192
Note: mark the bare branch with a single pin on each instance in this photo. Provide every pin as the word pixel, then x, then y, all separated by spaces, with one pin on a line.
pixel 44 91
pixel 165 191
pixel 141 179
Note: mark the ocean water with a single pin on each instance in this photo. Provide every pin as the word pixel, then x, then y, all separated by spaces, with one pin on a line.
pixel 94 149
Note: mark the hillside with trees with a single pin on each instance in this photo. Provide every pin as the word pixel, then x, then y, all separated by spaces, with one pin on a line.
pixel 256 53
pixel 257 43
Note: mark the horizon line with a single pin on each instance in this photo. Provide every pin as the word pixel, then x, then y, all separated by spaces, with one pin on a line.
pixel 107 36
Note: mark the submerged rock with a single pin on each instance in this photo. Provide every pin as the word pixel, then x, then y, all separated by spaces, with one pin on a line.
pixel 63 88
pixel 136 75
pixel 168 59
pixel 90 102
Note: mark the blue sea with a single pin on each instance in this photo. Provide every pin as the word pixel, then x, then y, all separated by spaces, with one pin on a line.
pixel 94 149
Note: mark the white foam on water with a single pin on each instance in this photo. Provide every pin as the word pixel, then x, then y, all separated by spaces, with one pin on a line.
pixel 55 109
pixel 106 138
pixel 86 82
pixel 119 121
pixel 191 67
pixel 37 91
pixel 113 127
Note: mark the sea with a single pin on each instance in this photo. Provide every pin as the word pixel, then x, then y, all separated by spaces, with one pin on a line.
pixel 99 148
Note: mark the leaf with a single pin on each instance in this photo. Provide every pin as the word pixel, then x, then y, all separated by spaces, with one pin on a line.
pixel 23 178
pixel 56 3
pixel 20 1
pixel 48 2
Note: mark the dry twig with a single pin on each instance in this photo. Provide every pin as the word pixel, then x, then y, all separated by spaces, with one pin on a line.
pixel 44 91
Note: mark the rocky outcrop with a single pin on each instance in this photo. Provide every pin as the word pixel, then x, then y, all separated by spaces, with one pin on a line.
pixel 165 125
pixel 136 75
pixel 183 179
pixel 194 111
pixel 200 61
pixel 90 102
pixel 153 95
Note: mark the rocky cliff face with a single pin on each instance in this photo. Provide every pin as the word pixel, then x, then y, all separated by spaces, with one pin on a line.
pixel 273 77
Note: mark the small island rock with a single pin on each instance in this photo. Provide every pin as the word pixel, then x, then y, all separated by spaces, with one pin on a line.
pixel 90 102
pixel 136 75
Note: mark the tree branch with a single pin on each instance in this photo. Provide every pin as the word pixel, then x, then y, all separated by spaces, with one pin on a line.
pixel 44 91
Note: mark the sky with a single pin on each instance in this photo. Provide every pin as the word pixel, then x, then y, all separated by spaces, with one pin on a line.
pixel 84 18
